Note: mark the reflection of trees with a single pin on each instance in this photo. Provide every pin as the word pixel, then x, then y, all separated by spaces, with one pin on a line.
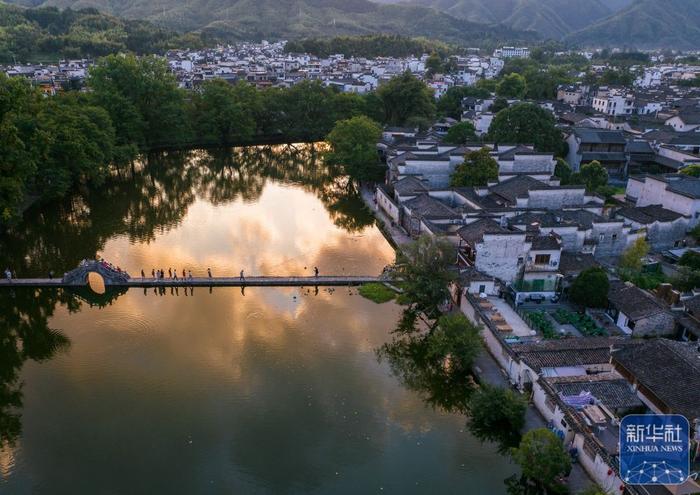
pixel 156 194
pixel 425 363
pixel 25 335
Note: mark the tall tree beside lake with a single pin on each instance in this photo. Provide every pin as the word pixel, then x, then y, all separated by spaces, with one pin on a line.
pixel 354 146
pixel 142 98
pixel 406 100
pixel 225 114
pixel 19 138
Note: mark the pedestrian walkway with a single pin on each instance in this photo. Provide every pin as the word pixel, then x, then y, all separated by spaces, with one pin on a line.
pixel 398 235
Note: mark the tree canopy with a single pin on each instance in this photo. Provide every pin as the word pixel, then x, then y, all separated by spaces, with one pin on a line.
pixel 590 288
pixel 512 86
pixel 592 175
pixel 424 268
pixel 543 459
pixel 477 169
pixel 527 123
pixel 460 133
pixel 354 146
pixel 497 415
pixel 406 100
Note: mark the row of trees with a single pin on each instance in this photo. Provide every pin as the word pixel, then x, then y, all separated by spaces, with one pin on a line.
pixel 48 145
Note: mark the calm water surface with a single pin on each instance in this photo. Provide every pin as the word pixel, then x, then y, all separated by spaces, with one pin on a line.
pixel 266 391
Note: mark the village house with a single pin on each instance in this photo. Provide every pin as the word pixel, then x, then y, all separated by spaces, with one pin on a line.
pixel 638 313
pixel 605 146
pixel 663 228
pixel 676 192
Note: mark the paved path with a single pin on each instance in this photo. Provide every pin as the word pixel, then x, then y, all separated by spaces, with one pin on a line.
pixel 398 234
pixel 207 282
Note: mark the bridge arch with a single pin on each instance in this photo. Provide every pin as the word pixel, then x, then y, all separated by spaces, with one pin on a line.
pixel 111 275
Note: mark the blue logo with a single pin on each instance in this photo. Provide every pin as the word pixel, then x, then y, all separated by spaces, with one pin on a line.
pixel 654 449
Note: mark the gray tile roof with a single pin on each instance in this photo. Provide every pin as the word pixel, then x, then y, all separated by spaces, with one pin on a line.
pixel 568 352
pixel 670 370
pixel 426 206
pixel 474 232
pixel 409 185
pixel 510 189
pixel 613 393
pixel 599 136
pixel 633 301
pixel 649 214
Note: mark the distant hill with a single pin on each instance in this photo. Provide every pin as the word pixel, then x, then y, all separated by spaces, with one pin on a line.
pixel 257 19
pixel 631 23
pixel 647 24
pixel 551 18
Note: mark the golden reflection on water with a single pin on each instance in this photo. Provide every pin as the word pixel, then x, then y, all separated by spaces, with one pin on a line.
pixel 286 232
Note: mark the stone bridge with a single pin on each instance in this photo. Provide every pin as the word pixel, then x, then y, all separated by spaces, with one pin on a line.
pixel 109 273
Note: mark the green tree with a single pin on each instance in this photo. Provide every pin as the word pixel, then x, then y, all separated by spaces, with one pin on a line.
pixel 631 259
pixel 404 98
pixel 562 170
pixel 592 175
pixel 543 459
pixel 224 114
pixel 353 145
pixel 477 169
pixel 512 86
pixel 499 104
pixel 686 278
pixel 79 147
pixel 590 288
pixel 20 143
pixel 497 415
pixel 424 268
pixel 690 259
pixel 142 98
pixel 433 64
pixel 691 170
pixel 527 123
pixel 460 133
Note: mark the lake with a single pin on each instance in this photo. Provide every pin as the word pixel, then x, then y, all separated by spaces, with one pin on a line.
pixel 265 390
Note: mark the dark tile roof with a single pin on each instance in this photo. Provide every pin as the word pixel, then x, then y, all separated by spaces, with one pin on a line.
pixel 649 214
pixel 575 263
pixel 683 184
pixel 568 352
pixel 471 274
pixel 409 185
pixel 519 149
pixel 474 232
pixel 510 189
pixel 425 206
pixel 549 242
pixel 613 393
pixel 599 136
pixel 633 301
pixel 669 369
pixel 692 305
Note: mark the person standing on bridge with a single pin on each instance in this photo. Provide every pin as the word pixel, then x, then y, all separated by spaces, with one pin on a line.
pixel 189 274
pixel 143 275
pixel 316 271
pixel 8 273
pixel 170 272
pixel 242 277
pixel 50 274
pixel 175 274
pixel 153 273
pixel 209 272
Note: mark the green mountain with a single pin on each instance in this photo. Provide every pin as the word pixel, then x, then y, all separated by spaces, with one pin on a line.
pixel 257 19
pixel 647 24
pixel 551 18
